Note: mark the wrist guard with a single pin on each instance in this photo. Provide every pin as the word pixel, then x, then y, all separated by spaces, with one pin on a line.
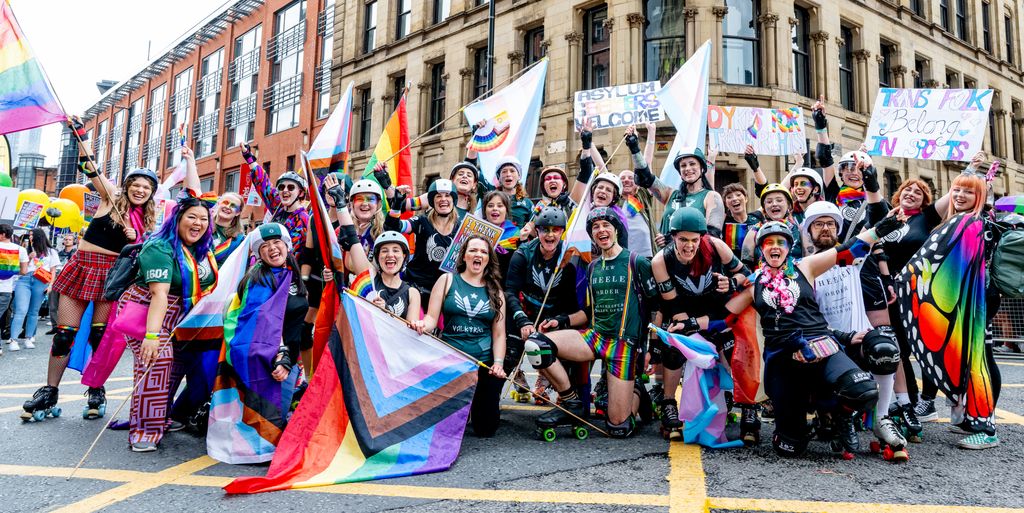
pixel 823 152
pixel 348 237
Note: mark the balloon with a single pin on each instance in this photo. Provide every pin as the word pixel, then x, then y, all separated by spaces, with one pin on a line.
pixel 67 212
pixel 33 195
pixel 76 193
pixel 5 180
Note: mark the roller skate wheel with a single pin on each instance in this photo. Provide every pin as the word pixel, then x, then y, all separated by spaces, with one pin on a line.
pixel 55 412
pixel 915 439
pixel 901 456
pixel 887 453
pixel 876 447
pixel 580 432
pixel 548 435
pixel 85 412
pixel 847 455
pixel 38 415
pixel 103 410
pixel 675 434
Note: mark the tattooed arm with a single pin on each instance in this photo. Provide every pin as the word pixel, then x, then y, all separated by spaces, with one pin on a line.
pixel 716 213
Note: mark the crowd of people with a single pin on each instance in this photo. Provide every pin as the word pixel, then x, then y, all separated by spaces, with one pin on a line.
pixel 817 262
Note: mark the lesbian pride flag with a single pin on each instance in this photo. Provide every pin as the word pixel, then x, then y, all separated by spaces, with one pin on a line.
pixel 26 98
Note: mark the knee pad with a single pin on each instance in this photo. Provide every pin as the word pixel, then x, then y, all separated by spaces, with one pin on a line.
pixel 787 446
pixel 96 335
pixel 624 430
pixel 306 342
pixel 856 390
pixel 881 351
pixel 671 358
pixel 540 350
pixel 62 341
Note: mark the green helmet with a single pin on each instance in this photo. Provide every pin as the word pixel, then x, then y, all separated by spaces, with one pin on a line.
pixel 697 153
pixel 688 219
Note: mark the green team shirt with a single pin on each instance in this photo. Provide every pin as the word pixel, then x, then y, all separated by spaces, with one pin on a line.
pixel 676 201
pixel 468 319
pixel 608 290
pixel 159 264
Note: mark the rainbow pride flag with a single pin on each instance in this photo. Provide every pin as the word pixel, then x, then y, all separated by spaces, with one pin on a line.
pixel 755 126
pixel 509 238
pixel 395 137
pixel 10 263
pixel 733 235
pixel 363 284
pixel 633 206
pixel 329 151
pixel 384 402
pixel 26 98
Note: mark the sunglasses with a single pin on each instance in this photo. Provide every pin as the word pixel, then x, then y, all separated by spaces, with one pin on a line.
pixel 287 187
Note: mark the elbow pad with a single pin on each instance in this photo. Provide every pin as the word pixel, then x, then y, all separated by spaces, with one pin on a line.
pixel 642 174
pixel 823 153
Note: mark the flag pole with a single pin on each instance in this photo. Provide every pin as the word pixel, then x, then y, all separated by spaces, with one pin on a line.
pixel 479 363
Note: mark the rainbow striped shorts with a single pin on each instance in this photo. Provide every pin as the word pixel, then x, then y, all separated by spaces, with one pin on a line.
pixel 618 355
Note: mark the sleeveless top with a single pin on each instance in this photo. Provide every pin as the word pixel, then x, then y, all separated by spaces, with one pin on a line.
pixel 696 295
pixel 104 233
pixel 467 318
pixel 778 326
pixel 395 300
pixel 676 201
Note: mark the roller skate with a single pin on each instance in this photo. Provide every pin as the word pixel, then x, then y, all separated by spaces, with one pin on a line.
pixel 43 403
pixel 907 421
pixel 657 393
pixel 541 388
pixel 750 425
pixel 520 390
pixel 97 403
pixel 767 411
pixel 600 398
pixel 556 418
pixel 890 443
pixel 845 440
pixel 671 426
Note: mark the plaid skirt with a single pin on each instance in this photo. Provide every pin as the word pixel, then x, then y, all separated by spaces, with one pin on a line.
pixel 83 276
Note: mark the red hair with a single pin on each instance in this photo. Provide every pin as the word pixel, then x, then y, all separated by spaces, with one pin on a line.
pixel 702 260
pixel 974 182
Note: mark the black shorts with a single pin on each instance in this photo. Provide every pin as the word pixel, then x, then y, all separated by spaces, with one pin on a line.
pixel 314 291
pixel 871 288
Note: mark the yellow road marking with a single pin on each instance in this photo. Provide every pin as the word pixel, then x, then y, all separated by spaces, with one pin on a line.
pixel 844 507
pixel 63 401
pixel 37 385
pixel 1013 385
pixel 687 489
pixel 137 486
pixel 1009 417
pixel 524 407
pixel 1012 364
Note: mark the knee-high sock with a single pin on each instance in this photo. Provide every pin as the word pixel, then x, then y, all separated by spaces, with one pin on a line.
pixel 885 392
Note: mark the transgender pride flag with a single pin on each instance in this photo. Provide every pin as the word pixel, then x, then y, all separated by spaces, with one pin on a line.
pixel 26 98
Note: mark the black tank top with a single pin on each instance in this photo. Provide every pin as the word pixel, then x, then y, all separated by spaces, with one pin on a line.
pixel 104 233
pixel 395 300
pixel 695 295
pixel 778 326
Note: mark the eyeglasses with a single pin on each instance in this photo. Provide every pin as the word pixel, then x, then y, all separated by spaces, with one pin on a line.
pixel 825 224
pixel 287 187
pixel 365 198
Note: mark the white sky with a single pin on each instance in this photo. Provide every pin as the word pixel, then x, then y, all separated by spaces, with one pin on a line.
pixel 80 43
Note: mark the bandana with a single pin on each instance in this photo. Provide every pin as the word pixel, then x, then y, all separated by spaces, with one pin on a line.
pixel 774 281
pixel 848 194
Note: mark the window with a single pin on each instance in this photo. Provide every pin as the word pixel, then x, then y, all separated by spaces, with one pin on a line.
pixel 404 18
pixel 887 51
pixel 892 182
pixel 231 181
pixel 534 50
pixel 243 74
pixel 952 79
pixel 100 145
pixel 114 163
pixel 365 117
pixel 1015 116
pixel 133 144
pixel 740 53
pixel 920 68
pixel 801 54
pixel 154 127
pixel 917 7
pixel 664 38
pixel 181 114
pixel 1008 27
pixel 846 87
pixel 480 82
pixel 986 26
pixel 370 22
pixel 283 98
pixel 970 83
pixel 442 8
pixel 208 121
pixel 397 89
pixel 437 95
pixel 206 184
pixel 992 131
pixel 322 73
pixel 595 48
pixel 962 31
pixel 944 14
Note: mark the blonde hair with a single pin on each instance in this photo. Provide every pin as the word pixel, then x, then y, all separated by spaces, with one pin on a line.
pixel 235 227
pixel 970 181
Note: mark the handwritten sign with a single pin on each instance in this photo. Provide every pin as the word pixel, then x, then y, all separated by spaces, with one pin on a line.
pixel 610 107
pixel 769 131
pixel 91 201
pixel 28 216
pixel 928 124
pixel 470 226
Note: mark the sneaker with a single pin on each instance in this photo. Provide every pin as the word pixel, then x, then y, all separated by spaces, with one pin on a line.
pixel 143 447
pixel 13 345
pixel 1002 349
pixel 979 441
pixel 175 426
pixel 30 343
pixel 925 410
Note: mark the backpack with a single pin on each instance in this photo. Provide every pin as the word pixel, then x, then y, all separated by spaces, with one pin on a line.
pixel 123 273
pixel 1007 270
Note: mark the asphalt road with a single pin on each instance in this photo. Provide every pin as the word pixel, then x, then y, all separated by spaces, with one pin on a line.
pixel 511 472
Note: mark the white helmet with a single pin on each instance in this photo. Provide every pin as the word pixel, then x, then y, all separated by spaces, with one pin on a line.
pixel 509 160
pixel 390 237
pixel 365 186
pixel 821 209
pixel 611 178
pixel 806 172
pixel 850 158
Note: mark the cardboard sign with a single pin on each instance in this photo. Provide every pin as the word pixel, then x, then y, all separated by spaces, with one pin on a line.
pixel 471 225
pixel 91 200
pixel 624 105
pixel 769 131
pixel 928 124
pixel 28 216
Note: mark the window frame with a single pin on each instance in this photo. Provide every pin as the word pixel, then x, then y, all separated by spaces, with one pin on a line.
pixel 677 9
pixel 754 41
pixel 803 17
pixel 403 19
pixel 592 80
pixel 438 96
pixel 846 74
pixel 369 29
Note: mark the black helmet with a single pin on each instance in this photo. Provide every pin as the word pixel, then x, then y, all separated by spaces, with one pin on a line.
pixel 550 216
pixel 697 153
pixel 439 185
pixel 464 165
pixel 774 228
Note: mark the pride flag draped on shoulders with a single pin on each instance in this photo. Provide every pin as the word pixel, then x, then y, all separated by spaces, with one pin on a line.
pixel 26 98
pixel 369 416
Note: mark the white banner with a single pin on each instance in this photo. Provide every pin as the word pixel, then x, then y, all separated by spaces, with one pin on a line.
pixel 615 106
pixel 770 131
pixel 685 100
pixel 928 124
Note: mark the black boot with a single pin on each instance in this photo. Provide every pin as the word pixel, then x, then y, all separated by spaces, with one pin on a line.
pixel 846 440
pixel 750 425
pixel 670 423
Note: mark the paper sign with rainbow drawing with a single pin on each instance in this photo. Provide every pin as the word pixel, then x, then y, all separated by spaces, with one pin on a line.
pixel 769 131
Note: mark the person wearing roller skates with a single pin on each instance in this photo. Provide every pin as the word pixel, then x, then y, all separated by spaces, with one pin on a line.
pixel 839 295
pixel 695 275
pixel 801 354
pixel 534 284
pixel 621 286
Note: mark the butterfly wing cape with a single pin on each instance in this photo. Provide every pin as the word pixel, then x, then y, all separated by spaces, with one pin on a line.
pixel 702 406
pixel 383 403
pixel 942 307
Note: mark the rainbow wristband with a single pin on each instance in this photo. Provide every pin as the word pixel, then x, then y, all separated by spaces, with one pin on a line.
pixel 152 336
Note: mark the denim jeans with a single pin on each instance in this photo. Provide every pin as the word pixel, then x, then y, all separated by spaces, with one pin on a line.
pixel 28 297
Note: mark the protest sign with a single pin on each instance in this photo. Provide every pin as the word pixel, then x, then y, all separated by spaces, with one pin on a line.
pixel 769 131
pixel 28 216
pixel 615 106
pixel 928 124
pixel 471 225
pixel 91 200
